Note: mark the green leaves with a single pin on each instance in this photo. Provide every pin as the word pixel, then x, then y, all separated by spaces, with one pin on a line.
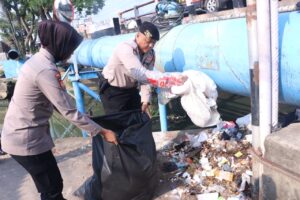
pixel 88 6
pixel 20 17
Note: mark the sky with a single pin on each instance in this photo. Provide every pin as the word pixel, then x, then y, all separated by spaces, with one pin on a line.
pixel 103 19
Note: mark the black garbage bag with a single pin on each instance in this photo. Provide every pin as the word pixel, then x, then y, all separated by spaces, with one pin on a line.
pixel 126 171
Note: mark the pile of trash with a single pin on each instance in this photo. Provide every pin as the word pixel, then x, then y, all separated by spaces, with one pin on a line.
pixel 213 165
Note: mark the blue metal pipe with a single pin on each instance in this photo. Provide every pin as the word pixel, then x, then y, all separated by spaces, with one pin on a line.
pixel 219 49
pixel 78 86
pixel 67 72
pixel 95 53
pixel 89 91
pixel 79 101
pixel 163 117
pixel 83 75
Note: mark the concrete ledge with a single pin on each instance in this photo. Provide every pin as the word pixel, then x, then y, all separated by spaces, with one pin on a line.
pixel 283 147
pixel 279 187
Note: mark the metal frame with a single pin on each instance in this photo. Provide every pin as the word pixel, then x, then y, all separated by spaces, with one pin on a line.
pixel 79 87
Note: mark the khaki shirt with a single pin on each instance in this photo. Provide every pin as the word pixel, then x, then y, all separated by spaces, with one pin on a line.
pixel 26 124
pixel 126 67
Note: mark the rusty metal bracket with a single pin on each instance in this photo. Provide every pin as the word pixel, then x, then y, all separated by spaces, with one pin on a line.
pixel 258 157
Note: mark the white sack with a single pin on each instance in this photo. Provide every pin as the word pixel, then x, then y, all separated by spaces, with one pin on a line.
pixel 199 96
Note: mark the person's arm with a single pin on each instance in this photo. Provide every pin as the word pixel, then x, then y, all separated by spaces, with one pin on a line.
pixel 145 97
pixel 52 87
pixel 136 70
pixel 146 93
pixel 146 89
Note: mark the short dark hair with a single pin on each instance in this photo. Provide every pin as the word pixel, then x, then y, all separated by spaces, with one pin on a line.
pixel 149 30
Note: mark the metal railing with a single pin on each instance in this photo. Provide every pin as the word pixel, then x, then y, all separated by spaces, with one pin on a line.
pixel 135 9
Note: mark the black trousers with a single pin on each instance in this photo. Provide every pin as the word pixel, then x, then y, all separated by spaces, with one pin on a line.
pixel 45 174
pixel 116 99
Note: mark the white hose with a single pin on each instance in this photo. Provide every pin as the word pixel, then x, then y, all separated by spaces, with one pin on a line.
pixel 274 49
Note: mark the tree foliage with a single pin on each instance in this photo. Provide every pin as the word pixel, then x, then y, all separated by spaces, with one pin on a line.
pixel 88 6
pixel 18 23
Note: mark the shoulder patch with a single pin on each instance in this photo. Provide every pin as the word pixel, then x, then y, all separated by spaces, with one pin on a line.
pixel 60 82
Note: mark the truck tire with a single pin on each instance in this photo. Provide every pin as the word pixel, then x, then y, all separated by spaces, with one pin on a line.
pixel 212 5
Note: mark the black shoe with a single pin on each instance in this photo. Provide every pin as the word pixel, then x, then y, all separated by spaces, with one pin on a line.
pixel 2 152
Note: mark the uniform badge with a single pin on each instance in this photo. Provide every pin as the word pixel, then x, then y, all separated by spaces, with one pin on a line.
pixel 60 82
pixel 148 34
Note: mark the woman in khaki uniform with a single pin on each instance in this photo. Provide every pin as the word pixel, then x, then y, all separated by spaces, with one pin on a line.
pixel 26 135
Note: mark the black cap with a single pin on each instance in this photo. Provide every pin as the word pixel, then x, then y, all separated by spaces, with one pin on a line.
pixel 149 30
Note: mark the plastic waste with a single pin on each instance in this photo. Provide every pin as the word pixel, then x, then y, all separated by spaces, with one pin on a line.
pixel 230 130
pixel 199 95
pixel 187 177
pixel 227 168
pixel 215 188
pixel 213 165
pixel 244 121
pixel 245 180
pixel 196 140
pixel 238 154
pixel 223 175
pixel 208 196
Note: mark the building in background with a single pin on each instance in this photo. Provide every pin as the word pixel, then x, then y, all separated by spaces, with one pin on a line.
pixel 95 26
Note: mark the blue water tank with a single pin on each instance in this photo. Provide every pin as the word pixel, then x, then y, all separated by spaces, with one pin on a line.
pixel 219 49
pixel 12 68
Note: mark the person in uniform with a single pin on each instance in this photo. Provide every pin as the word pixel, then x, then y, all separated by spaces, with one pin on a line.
pixel 125 83
pixel 26 134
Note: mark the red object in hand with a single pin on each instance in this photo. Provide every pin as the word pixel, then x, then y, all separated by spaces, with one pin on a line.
pixel 166 82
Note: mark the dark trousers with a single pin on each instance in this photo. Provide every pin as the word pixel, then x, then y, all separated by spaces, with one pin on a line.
pixel 45 174
pixel 116 99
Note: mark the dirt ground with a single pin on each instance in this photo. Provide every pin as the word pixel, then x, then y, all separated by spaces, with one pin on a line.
pixel 74 157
